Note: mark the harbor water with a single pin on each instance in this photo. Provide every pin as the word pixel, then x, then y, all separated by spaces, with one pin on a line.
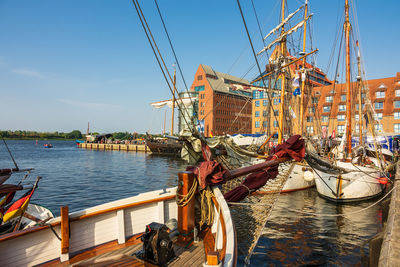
pixel 83 178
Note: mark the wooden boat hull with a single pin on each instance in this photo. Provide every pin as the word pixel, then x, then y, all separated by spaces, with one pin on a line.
pixel 167 149
pixel 115 221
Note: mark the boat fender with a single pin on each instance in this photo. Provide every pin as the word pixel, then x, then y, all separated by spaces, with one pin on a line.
pixel 308 176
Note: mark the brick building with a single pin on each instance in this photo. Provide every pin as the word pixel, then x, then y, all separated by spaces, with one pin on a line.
pixel 330 112
pixel 224 102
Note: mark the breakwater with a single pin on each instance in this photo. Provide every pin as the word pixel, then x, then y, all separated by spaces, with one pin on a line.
pixel 123 147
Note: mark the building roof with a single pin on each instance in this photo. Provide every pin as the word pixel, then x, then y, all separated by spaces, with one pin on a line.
pixel 221 82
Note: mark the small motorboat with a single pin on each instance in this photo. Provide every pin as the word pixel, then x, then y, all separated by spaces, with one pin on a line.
pixel 48 145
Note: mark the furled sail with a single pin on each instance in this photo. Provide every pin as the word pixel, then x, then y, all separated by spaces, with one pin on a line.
pixel 290 31
pixel 186 101
pixel 283 22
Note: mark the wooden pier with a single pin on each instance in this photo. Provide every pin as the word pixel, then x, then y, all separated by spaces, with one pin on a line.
pixel 390 250
pixel 120 147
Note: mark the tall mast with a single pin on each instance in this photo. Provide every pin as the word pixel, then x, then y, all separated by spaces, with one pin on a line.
pixel 359 95
pixel 303 72
pixel 347 27
pixel 283 78
pixel 173 104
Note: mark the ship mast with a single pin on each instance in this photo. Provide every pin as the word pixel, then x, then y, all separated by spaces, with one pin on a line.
pixel 359 95
pixel 303 71
pixel 347 27
pixel 283 78
pixel 173 103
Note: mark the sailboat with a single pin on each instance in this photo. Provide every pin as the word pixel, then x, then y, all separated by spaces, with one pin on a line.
pixel 169 145
pixel 351 177
pixel 299 177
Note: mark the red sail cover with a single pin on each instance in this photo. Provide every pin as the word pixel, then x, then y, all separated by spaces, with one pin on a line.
pixel 294 147
pixel 18 207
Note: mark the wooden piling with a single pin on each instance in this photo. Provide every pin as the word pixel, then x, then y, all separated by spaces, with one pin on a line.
pixel 64 233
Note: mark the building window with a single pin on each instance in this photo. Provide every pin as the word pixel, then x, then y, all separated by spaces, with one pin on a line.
pixel 396 115
pixel 276 124
pixel 378 116
pixel 199 88
pixel 329 99
pixel 342 97
pixel 378 127
pixel 265 103
pixel 257 114
pixel 200 77
pixel 276 112
pixel 340 117
pixel 397 92
pixel 378 105
pixel 324 118
pixel 311 109
pixel 397 127
pixel 309 119
pixel 257 103
pixel 314 100
pixel 358 106
pixel 357 128
pixel 264 113
pixel 380 94
pixel 258 94
pixel 310 129
pixel 265 124
pixel 340 129
pixel 257 124
pixel 356 117
pixel 342 107
pixel 363 95
pixel 326 108
pixel 276 101
pixel 397 104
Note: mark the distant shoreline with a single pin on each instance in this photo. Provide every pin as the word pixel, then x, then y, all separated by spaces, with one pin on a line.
pixel 39 139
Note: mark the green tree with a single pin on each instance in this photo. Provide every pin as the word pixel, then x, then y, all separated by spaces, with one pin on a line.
pixel 75 134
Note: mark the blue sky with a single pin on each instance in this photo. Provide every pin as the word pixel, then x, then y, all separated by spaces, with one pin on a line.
pixel 64 63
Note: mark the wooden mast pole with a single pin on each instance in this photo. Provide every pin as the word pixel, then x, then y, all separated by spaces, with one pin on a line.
pixel 283 78
pixel 359 95
pixel 348 92
pixel 303 72
pixel 173 103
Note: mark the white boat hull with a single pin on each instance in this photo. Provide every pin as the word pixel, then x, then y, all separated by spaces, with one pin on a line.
pixel 353 186
pixel 296 180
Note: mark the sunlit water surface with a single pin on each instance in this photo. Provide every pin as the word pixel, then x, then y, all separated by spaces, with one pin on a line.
pixel 83 178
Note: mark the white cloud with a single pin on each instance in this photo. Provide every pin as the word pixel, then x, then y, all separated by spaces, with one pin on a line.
pixel 27 72
pixel 89 105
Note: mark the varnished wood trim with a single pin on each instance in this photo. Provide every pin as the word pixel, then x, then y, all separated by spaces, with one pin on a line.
pixel 127 206
pixel 93 214
pixel 64 230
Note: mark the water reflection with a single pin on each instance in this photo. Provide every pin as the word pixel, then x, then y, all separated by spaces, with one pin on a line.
pixel 300 239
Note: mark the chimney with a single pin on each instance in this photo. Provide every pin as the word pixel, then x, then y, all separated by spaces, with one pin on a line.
pixel 397 79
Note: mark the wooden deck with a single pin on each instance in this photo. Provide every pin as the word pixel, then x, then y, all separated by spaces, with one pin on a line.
pixel 113 254
pixel 191 256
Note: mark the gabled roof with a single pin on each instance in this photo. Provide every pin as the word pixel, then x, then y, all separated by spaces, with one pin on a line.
pixel 223 81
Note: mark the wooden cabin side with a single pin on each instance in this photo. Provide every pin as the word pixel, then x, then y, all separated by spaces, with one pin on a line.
pixel 91 227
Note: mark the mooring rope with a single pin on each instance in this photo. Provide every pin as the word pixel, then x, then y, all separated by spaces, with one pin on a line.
pixel 323 214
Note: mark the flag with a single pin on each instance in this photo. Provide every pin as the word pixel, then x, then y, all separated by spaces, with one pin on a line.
pixel 296 92
pixel 18 207
pixel 333 134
